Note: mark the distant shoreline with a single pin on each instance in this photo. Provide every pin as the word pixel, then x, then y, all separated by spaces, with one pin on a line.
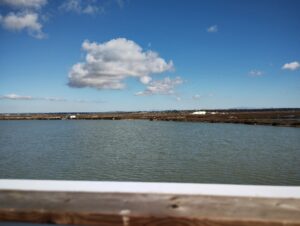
pixel 271 117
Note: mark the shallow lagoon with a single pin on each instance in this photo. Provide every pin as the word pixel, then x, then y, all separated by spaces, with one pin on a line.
pixel 150 151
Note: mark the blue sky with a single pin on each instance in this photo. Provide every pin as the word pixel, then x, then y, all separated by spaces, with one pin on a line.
pixel 108 55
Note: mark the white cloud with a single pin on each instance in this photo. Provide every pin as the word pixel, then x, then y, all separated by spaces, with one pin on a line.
pixel 87 101
pixel 23 21
pixel 82 7
pixel 24 3
pixel 108 64
pixel 212 29
pixel 25 16
pixel 15 97
pixel 56 99
pixel 145 79
pixel 291 66
pixel 255 73
pixel 162 87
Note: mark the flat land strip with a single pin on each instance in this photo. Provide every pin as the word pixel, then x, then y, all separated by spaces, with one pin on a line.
pixel 273 117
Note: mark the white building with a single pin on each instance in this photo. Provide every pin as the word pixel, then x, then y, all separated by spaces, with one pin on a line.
pixel 199 113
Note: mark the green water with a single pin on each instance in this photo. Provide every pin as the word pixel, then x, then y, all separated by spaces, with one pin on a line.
pixel 150 151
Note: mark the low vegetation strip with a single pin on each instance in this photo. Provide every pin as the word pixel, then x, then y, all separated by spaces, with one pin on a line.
pixel 276 117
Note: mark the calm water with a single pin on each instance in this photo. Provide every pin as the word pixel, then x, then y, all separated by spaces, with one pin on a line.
pixel 150 151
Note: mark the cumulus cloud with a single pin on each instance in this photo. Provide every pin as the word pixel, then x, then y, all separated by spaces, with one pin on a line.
pixel 163 87
pixel 82 7
pixel 255 73
pixel 28 14
pixel 24 3
pixel 26 20
pixel 291 66
pixel 25 16
pixel 108 64
pixel 212 29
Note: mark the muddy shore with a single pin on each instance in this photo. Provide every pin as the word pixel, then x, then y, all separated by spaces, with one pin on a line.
pixel 286 117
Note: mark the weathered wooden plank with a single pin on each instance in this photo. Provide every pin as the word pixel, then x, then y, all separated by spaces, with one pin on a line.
pixel 145 209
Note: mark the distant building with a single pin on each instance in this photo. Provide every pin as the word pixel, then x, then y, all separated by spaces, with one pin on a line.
pixel 199 113
pixel 72 117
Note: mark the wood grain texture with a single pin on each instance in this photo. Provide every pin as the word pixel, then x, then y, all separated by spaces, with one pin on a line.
pixel 109 209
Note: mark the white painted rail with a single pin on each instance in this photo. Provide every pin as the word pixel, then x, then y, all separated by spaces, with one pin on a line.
pixel 152 188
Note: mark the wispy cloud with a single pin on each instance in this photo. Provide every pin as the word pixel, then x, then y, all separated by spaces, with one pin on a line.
pixel 108 64
pixel 162 87
pixel 212 29
pixel 255 73
pixel 121 3
pixel 196 97
pixel 291 66
pixel 89 6
pixel 178 99
pixel 82 7
pixel 87 101
pixel 14 96
pixel 21 4
pixel 55 99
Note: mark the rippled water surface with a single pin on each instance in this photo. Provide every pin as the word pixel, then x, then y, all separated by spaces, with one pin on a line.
pixel 150 151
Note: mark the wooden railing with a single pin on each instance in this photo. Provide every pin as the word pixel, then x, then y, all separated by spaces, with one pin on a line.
pixel 147 204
